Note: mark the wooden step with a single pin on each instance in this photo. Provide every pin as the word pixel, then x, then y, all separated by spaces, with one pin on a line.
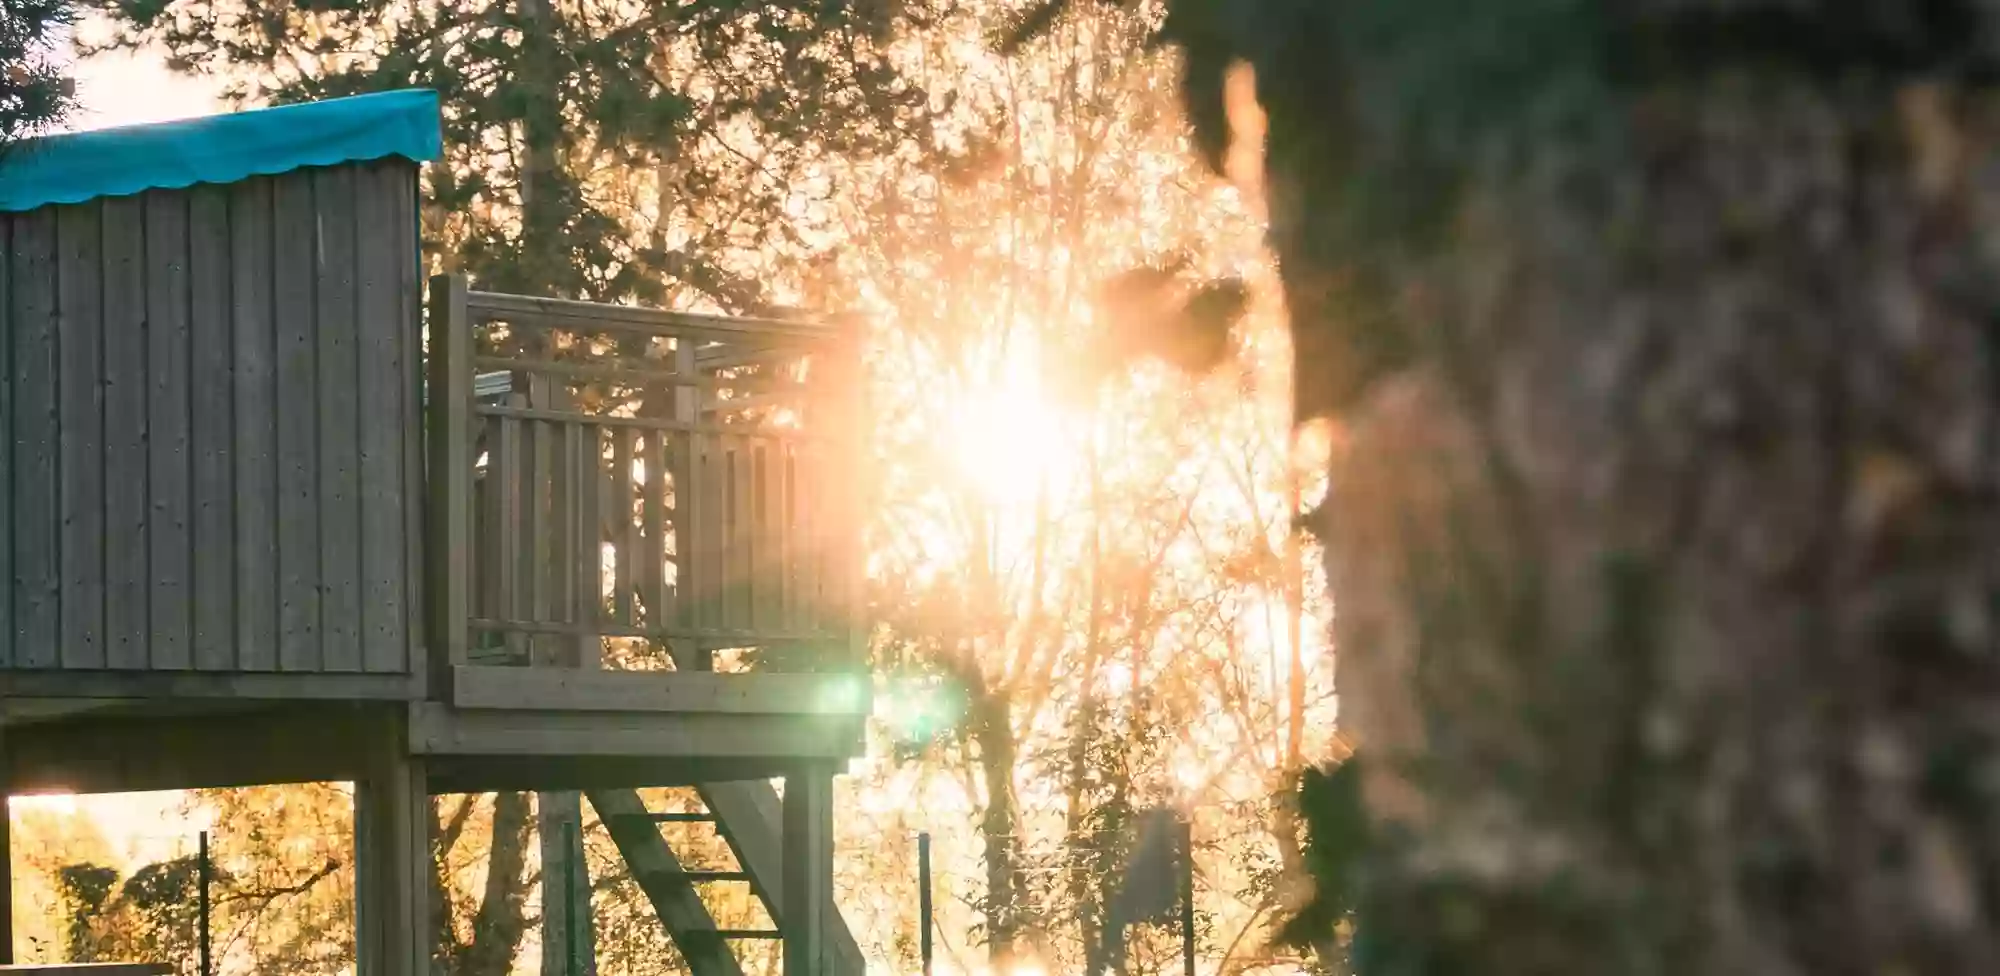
pixel 660 818
pixel 747 814
pixel 750 817
pixel 660 875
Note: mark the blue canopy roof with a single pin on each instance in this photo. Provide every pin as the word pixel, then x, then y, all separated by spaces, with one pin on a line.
pixel 79 166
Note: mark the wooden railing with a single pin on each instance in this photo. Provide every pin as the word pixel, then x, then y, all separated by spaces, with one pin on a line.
pixel 631 488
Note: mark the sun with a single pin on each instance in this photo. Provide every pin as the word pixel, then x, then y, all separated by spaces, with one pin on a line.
pixel 1009 440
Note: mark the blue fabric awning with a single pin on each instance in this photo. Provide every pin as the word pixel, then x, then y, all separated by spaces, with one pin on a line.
pixel 79 166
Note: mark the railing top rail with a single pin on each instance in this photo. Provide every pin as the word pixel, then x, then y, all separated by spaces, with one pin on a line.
pixel 527 311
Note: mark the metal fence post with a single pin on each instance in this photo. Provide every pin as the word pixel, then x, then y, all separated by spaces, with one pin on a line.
pixel 204 873
pixel 924 895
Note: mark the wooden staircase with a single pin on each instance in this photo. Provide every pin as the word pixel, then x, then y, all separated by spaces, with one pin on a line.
pixel 746 815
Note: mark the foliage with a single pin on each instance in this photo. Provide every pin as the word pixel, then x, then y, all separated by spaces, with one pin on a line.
pixel 34 93
pixel 670 153
pixel 1091 577
pixel 85 891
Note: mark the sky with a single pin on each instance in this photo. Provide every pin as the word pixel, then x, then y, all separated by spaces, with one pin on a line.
pixel 131 88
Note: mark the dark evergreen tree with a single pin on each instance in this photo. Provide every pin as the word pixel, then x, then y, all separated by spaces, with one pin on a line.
pixel 672 153
pixel 34 93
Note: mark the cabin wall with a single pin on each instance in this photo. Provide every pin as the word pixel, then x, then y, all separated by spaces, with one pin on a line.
pixel 209 400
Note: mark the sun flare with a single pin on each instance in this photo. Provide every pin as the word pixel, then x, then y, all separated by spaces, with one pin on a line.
pixel 1010 441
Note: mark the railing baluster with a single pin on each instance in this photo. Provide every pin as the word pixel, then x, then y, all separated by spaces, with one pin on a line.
pixel 690 573
pixel 507 515
pixel 535 527
pixel 742 540
pixel 625 538
pixel 791 547
pixel 765 613
pixel 563 465
pixel 588 536
pixel 658 611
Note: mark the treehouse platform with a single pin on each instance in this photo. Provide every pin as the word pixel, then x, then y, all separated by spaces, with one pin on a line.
pixel 276 509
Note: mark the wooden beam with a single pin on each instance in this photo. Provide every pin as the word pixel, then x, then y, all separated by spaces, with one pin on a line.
pixel 808 851
pixel 487 774
pixel 294 744
pixel 584 690
pixel 665 881
pixel 557 313
pixel 236 686
pixel 392 823
pixel 436 728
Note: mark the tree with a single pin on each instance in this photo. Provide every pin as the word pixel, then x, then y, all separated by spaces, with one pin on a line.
pixel 669 153
pixel 34 93
pixel 1663 517
pixel 1074 585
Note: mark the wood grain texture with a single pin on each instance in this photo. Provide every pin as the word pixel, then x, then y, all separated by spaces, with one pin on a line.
pixel 450 478
pixel 436 728
pixel 212 430
pixel 379 347
pixel 35 585
pixel 255 395
pixel 562 689
pixel 625 537
pixel 338 376
pixel 808 872
pixel 660 609
pixel 169 396
pixel 392 826
pixel 402 176
pixel 80 341
pixel 7 326
pixel 589 558
pixel 126 460
pixel 295 233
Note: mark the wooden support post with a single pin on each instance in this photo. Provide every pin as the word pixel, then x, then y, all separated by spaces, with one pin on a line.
pixel 450 419
pixel 6 852
pixel 392 820
pixel 568 935
pixel 808 850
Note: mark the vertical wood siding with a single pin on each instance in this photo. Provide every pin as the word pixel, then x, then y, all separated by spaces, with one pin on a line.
pixel 208 427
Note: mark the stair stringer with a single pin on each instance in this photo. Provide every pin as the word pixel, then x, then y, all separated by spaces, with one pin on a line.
pixel 664 880
pixel 749 816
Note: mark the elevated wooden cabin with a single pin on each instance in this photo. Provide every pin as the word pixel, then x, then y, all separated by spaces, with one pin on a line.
pixel 268 520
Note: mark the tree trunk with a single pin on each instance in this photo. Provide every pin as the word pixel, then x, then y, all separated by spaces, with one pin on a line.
pixel 542 202
pixel 501 922
pixel 992 728
pixel 1664 516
